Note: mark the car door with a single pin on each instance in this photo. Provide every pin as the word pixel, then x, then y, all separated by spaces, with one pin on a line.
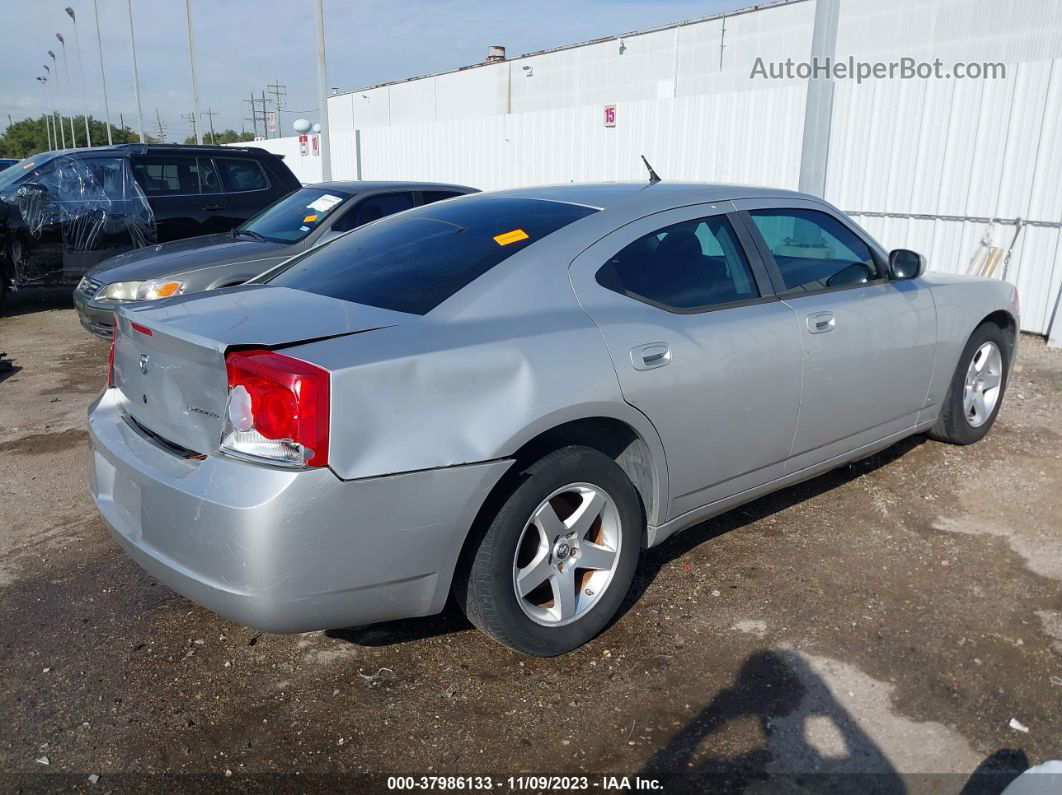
pixel 700 345
pixel 171 183
pixel 868 342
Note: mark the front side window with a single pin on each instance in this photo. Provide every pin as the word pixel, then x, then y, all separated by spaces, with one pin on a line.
pixel 696 264
pixel 414 261
pixel 292 218
pixel 815 251
pixel 240 175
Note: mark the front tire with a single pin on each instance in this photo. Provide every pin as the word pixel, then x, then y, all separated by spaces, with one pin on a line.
pixel 977 387
pixel 556 559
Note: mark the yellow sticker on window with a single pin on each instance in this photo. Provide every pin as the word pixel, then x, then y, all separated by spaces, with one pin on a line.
pixel 309 219
pixel 514 236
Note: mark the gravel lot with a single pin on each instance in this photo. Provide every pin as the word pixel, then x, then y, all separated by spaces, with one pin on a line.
pixel 889 618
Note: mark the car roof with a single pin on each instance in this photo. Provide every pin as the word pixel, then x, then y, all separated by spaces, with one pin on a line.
pixel 364 186
pixel 603 195
pixel 134 148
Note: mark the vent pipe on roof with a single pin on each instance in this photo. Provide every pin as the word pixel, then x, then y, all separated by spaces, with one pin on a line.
pixel 495 54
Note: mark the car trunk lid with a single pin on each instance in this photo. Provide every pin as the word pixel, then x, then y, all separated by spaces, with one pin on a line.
pixel 169 357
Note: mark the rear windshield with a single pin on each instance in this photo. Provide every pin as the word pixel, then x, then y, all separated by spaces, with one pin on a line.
pixel 414 261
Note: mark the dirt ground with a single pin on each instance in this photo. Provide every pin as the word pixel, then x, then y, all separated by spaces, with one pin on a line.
pixel 884 627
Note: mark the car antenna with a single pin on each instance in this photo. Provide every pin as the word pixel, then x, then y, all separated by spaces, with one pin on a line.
pixel 653 176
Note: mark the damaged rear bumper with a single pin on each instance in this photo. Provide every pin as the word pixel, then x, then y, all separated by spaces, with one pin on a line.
pixel 282 550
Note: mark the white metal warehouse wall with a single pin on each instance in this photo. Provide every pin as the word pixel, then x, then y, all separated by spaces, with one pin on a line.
pixel 923 164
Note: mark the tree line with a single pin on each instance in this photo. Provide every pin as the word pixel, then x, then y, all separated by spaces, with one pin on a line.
pixel 29 136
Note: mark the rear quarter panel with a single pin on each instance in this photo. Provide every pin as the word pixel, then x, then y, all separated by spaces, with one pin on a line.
pixel 962 303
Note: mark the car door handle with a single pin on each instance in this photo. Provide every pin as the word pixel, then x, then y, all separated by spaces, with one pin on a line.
pixel 821 322
pixel 213 207
pixel 651 355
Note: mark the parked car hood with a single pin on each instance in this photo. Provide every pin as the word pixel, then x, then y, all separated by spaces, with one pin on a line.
pixel 258 314
pixel 182 255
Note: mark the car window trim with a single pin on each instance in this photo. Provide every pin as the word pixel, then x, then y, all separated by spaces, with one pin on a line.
pixel 747 205
pixel 760 273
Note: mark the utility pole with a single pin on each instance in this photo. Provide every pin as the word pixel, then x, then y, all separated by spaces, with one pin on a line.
pixel 162 130
pixel 47 128
pixel 195 128
pixel 195 80
pixel 136 76
pixel 210 114
pixel 322 94
pixel 103 75
pixel 265 116
pixel 254 114
pixel 279 91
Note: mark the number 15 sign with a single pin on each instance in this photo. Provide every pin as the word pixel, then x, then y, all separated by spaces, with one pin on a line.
pixel 610 115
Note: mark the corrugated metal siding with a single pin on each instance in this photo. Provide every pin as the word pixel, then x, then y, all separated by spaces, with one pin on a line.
pixel 912 159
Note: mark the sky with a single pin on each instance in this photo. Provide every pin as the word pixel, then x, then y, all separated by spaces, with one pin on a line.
pixel 242 45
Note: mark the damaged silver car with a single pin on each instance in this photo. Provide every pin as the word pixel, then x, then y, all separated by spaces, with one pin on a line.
pixel 508 396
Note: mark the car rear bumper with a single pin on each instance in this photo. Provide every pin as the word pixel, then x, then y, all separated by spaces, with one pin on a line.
pixel 282 550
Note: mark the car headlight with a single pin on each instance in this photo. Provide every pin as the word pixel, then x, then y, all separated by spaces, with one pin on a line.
pixel 119 291
pixel 159 288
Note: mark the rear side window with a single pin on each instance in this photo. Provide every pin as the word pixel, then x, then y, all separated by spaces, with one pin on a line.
pixel 696 264
pixel 815 251
pixel 239 175
pixel 374 208
pixel 430 196
pixel 167 176
pixel 415 261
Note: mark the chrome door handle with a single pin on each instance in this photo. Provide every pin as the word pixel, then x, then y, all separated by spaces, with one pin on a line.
pixel 821 322
pixel 651 355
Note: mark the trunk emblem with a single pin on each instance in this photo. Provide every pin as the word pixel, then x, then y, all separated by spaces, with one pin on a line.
pixel 143 363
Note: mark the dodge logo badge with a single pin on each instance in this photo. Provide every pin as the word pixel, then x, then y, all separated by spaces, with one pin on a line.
pixel 143 363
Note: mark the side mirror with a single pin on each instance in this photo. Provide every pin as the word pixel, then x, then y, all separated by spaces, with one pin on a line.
pixel 906 264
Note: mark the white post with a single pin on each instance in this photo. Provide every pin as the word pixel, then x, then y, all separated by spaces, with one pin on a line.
pixel 195 81
pixel 66 85
pixel 103 75
pixel 136 76
pixel 81 76
pixel 322 95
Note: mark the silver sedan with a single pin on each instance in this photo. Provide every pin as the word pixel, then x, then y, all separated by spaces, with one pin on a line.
pixel 509 395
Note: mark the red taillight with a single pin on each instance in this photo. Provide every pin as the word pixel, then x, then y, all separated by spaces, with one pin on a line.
pixel 277 408
pixel 110 356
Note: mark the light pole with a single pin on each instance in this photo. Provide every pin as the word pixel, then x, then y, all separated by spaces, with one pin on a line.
pixel 66 84
pixel 51 106
pixel 322 95
pixel 103 75
pixel 136 76
pixel 59 88
pixel 195 81
pixel 47 127
pixel 80 75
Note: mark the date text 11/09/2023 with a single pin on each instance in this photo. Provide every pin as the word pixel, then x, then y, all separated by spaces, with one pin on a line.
pixel 527 783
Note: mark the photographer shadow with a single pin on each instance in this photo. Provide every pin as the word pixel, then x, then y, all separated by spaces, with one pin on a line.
pixel 810 741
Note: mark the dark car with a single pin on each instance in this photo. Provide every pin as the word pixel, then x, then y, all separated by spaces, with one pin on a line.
pixel 63 212
pixel 6 162
pixel 303 219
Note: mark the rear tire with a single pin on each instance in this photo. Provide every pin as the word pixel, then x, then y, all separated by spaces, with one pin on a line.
pixel 554 562
pixel 977 387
